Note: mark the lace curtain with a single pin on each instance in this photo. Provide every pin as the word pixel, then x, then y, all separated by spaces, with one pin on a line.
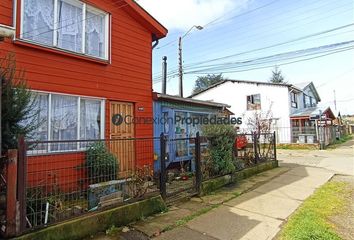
pixel 38 21
pixel 90 119
pixel 70 27
pixel 64 117
pixel 95 34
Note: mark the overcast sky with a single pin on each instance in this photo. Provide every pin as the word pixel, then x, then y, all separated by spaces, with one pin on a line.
pixel 232 27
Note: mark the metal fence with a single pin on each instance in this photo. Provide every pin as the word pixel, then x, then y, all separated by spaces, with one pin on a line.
pixel 321 135
pixel 180 166
pixel 252 149
pixel 66 179
pixel 247 150
pixel 60 180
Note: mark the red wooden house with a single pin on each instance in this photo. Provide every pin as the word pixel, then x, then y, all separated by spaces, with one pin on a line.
pixel 87 60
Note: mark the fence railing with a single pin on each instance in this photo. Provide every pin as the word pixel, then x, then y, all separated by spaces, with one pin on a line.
pixel 60 180
pixel 321 135
pixel 247 151
pixel 65 179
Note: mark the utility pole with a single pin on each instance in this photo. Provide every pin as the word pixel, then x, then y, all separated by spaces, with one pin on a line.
pixel 180 61
pixel 180 68
pixel 164 74
pixel 335 100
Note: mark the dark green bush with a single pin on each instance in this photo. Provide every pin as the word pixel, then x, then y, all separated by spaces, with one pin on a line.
pixel 221 138
pixel 101 164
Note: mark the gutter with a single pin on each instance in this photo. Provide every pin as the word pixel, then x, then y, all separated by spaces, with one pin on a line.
pixel 6 32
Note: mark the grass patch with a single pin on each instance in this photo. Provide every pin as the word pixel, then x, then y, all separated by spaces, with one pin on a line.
pixel 297 146
pixel 310 221
pixel 343 139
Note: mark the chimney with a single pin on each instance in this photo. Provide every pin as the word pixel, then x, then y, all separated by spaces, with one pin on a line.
pixel 164 74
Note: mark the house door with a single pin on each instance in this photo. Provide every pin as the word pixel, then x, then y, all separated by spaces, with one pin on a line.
pixel 122 134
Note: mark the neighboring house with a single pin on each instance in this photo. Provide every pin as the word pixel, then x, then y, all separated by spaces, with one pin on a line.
pixel 278 103
pixel 86 61
pixel 174 117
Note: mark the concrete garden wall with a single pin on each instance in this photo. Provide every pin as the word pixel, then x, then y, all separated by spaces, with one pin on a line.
pixel 211 185
pixel 91 224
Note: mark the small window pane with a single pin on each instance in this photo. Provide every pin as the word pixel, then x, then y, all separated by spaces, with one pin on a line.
pixel 90 119
pixel 38 21
pixel 64 121
pixel 70 26
pixel 95 34
pixel 37 119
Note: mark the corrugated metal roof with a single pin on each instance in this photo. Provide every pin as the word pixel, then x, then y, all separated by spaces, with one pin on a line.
pixel 166 97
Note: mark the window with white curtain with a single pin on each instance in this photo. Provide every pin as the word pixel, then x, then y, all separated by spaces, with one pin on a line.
pixel 64 120
pixel 90 118
pixel 38 21
pixel 66 24
pixel 95 33
pixel 66 117
pixel 70 25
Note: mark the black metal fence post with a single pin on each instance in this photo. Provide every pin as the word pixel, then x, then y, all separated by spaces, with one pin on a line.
pixel 163 166
pixel 255 147
pixel 235 146
pixel 198 172
pixel 275 145
pixel 22 178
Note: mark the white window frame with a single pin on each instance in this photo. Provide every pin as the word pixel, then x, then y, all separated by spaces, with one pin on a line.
pixel 85 7
pixel 250 105
pixel 102 125
pixel 294 100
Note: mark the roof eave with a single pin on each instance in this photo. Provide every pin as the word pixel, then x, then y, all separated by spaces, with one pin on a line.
pixel 152 24
pixel 191 100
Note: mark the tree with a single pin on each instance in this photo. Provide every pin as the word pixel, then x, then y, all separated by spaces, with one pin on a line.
pixel 18 114
pixel 277 76
pixel 203 82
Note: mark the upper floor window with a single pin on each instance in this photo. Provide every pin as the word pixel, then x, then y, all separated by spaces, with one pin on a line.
pixel 254 102
pixel 293 99
pixel 67 24
pixel 309 101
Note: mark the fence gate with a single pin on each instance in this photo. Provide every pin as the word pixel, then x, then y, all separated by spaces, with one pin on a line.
pixel 180 174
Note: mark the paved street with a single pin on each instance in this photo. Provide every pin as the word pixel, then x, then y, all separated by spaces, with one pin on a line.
pixel 339 160
pixel 259 214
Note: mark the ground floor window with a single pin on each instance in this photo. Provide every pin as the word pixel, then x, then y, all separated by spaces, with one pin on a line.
pixel 67 117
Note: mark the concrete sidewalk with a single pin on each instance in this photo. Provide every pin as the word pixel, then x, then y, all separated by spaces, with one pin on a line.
pixel 257 214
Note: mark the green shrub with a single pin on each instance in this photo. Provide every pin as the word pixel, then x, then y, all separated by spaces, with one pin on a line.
pixel 101 164
pixel 219 159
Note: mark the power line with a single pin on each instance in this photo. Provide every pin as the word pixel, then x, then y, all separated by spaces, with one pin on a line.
pixel 260 36
pixel 192 65
pixel 275 45
pixel 211 22
pixel 281 64
pixel 254 40
pixel 285 13
pixel 327 49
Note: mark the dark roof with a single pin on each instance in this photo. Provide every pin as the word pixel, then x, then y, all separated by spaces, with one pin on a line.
pixel 243 81
pixel 306 112
pixel 312 112
pixel 304 85
pixel 160 96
